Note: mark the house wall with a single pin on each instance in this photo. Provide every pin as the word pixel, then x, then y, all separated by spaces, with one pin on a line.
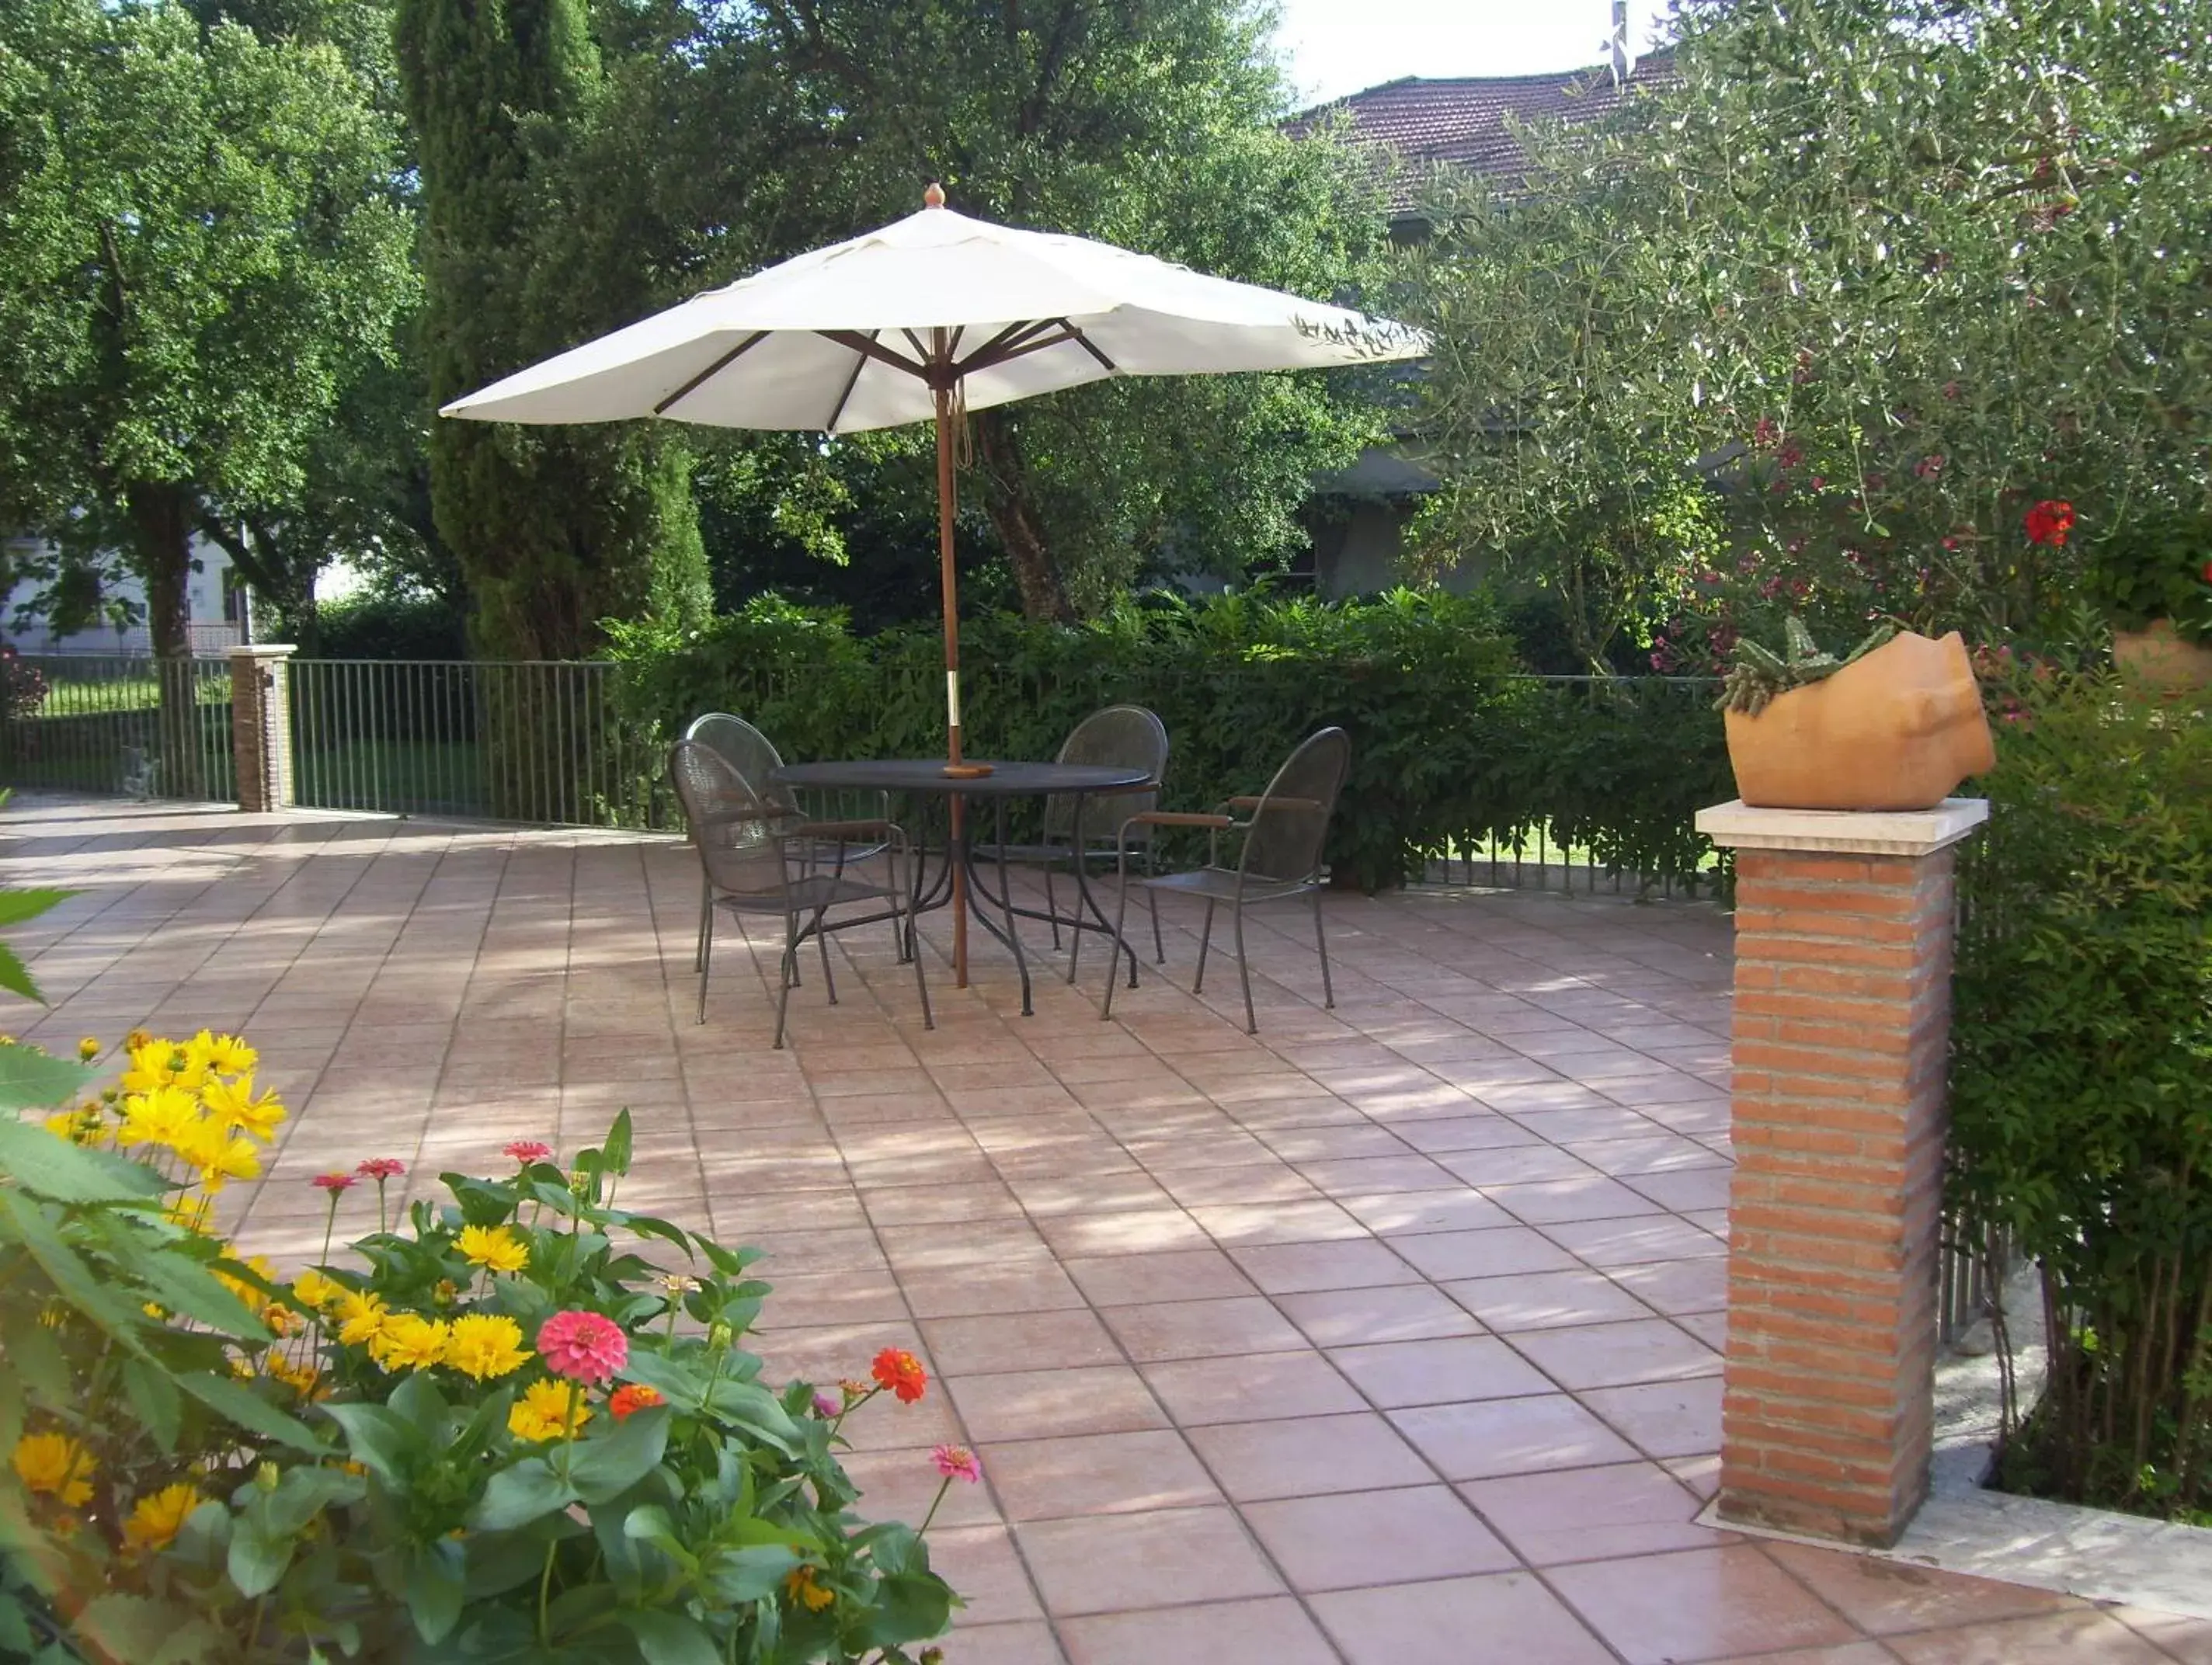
pixel 211 605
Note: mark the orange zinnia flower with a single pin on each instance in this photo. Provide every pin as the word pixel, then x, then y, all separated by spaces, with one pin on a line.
pixel 630 1397
pixel 901 1371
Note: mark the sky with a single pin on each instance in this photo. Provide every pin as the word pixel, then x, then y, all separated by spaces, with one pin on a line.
pixel 1338 47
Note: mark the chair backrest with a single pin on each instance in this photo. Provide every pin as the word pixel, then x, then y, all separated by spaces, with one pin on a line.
pixel 1291 822
pixel 1126 736
pixel 747 750
pixel 734 828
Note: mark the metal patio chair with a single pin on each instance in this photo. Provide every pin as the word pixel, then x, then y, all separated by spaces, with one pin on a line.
pixel 1129 737
pixel 1282 836
pixel 754 859
pixel 755 759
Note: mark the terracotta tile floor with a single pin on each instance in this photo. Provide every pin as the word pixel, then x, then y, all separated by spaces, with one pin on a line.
pixel 1386 1337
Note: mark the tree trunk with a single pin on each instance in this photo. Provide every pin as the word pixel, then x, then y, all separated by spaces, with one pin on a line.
pixel 162 517
pixel 1044 597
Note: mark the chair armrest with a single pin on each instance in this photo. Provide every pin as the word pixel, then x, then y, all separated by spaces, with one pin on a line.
pixel 1279 803
pixel 1178 818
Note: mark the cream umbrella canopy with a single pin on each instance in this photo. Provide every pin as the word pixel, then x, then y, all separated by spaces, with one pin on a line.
pixel 915 321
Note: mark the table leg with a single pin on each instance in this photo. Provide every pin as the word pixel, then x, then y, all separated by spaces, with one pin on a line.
pixel 958 841
pixel 1007 899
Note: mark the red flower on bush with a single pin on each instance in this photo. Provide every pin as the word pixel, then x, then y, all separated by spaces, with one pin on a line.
pixel 381 1168
pixel 527 1150
pixel 2049 522
pixel 902 1372
pixel 332 1183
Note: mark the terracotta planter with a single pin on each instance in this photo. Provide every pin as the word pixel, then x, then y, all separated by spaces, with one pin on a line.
pixel 1896 730
pixel 2158 656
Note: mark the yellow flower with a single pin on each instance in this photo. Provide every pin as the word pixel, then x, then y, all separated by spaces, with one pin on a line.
pixel 189 1213
pixel 226 1054
pixel 220 1155
pixel 316 1292
pixel 408 1340
pixel 301 1375
pixel 256 1302
pixel 497 1249
pixel 233 1103
pixel 547 1410
pixel 155 1520
pixel 136 1039
pixel 57 1465
pixel 484 1346
pixel 361 1318
pixel 81 1125
pixel 799 1584
pixel 160 1116
pixel 89 1049
pixel 157 1064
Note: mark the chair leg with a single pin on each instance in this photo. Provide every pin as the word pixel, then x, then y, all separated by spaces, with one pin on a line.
pixel 706 953
pixel 1121 914
pixel 1159 948
pixel 1205 936
pixel 1052 907
pixel 1321 941
pixel 921 982
pixel 789 978
pixel 822 942
pixel 1243 968
pixel 705 924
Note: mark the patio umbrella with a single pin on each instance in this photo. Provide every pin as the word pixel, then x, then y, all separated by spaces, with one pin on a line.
pixel 926 317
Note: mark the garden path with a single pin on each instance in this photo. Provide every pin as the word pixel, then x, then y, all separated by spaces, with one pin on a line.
pixel 1388 1336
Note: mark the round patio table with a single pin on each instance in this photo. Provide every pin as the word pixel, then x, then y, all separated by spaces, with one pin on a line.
pixel 926 778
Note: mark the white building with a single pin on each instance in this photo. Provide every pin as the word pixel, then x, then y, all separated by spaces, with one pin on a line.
pixel 217 609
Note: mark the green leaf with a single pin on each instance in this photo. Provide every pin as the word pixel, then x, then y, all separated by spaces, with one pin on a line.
pixel 617 1148
pixel 649 1523
pixel 74 1279
pixel 669 1638
pixel 146 1631
pixel 231 1398
pixel 53 1167
pixel 31 1079
pixel 180 1283
pixel 648 1225
pixel 603 1469
pixel 436 1585
pixel 154 1399
pixel 910 1607
pixel 517 1496
pixel 376 1438
pixel 258 1552
pixel 671 1377
pixel 737 1576
pixel 18 906
pixel 15 976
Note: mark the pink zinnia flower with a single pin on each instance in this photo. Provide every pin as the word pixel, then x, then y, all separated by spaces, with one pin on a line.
pixel 584 1346
pixel 381 1168
pixel 332 1183
pixel 956 1463
pixel 826 1407
pixel 527 1150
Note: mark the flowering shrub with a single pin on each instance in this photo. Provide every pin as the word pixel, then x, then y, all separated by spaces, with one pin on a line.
pixel 491 1430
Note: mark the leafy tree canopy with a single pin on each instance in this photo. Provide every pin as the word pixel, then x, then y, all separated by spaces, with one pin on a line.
pixel 1825 319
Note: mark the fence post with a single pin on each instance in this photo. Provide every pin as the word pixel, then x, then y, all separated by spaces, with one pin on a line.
pixel 261 726
pixel 1844 926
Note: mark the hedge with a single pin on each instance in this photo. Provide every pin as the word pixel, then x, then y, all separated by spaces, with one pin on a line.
pixel 1454 747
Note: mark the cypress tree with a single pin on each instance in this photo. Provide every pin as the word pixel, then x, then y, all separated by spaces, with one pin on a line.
pixel 555 528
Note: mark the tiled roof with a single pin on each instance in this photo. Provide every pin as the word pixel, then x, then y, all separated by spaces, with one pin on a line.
pixel 1462 122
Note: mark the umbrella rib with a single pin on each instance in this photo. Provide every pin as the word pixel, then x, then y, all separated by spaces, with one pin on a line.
pixel 714 369
pixel 1013 336
pixel 860 363
pixel 868 347
pixel 1031 342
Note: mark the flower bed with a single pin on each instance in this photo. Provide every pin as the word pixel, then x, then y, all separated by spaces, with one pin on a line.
pixel 492 1429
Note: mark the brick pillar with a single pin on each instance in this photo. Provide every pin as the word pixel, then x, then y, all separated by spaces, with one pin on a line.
pixel 261 725
pixel 1843 1012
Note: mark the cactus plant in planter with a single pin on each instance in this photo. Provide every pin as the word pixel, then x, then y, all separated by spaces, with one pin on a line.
pixel 1895 724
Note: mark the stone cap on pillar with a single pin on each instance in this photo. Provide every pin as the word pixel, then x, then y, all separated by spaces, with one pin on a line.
pixel 263 650
pixel 1736 824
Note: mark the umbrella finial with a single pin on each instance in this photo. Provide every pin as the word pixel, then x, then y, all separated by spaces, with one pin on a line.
pixel 934 196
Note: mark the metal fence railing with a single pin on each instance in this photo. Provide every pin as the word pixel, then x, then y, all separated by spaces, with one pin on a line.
pixel 145 727
pixel 531 741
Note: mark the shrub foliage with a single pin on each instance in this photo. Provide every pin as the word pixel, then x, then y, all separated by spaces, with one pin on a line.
pixel 2082 1045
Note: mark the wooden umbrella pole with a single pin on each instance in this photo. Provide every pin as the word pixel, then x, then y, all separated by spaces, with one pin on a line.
pixel 946 583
